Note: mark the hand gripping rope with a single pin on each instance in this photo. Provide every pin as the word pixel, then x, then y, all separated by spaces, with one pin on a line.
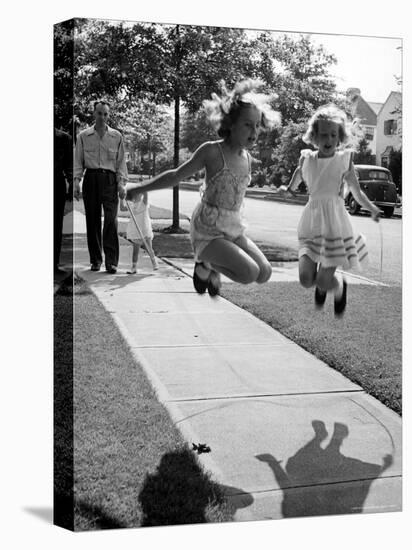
pixel 140 233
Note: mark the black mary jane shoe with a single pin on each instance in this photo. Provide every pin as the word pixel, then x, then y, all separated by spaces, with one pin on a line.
pixel 199 284
pixel 214 284
pixel 340 304
pixel 320 297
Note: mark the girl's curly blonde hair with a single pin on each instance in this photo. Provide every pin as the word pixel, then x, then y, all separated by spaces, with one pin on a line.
pixel 349 132
pixel 223 111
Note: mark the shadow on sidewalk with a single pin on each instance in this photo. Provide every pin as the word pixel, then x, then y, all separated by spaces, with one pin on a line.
pixel 118 281
pixel 317 481
pixel 180 492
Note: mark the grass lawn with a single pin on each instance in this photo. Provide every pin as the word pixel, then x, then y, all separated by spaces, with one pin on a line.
pixel 131 465
pixel 168 245
pixel 365 345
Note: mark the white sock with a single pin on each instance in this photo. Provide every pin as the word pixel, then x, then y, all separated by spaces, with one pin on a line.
pixel 338 290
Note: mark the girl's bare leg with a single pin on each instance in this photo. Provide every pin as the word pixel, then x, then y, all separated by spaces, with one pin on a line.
pixel 135 257
pixel 265 269
pixel 326 279
pixel 231 260
pixel 307 271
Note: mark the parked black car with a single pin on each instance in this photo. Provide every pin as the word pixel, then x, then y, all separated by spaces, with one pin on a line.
pixel 376 182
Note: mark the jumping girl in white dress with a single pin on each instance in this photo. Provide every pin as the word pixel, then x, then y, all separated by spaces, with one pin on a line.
pixel 217 230
pixel 326 237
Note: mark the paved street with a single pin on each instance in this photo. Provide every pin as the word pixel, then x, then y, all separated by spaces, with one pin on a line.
pixel 277 222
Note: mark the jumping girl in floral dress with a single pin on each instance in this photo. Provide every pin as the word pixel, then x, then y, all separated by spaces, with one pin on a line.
pixel 217 229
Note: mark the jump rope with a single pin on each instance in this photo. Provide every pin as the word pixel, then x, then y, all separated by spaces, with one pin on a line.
pixel 381 239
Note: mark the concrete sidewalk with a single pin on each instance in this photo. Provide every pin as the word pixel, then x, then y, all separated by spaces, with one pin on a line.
pixel 289 436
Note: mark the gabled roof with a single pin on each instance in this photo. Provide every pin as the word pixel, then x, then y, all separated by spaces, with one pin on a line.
pixel 375 106
pixel 363 110
pixel 396 95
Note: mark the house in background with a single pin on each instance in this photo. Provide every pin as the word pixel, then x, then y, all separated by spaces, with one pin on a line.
pixel 366 113
pixel 389 128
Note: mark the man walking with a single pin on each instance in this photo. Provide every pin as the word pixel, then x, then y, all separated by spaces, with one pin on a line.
pixel 100 155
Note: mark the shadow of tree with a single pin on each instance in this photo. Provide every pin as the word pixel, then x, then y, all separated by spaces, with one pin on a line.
pixel 180 492
pixel 317 481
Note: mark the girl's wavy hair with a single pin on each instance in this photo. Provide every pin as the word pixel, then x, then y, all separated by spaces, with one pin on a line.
pixel 349 130
pixel 223 111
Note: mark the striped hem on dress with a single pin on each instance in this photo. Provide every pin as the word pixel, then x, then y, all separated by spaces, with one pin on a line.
pixel 335 252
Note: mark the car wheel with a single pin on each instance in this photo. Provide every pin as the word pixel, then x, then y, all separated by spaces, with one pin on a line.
pixel 353 206
pixel 388 211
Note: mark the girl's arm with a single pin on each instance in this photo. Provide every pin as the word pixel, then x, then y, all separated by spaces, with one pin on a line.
pixel 171 178
pixel 358 194
pixel 294 181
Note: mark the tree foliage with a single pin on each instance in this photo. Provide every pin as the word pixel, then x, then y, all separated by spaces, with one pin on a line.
pixel 63 75
pixel 298 71
pixel 286 154
pixel 395 166
pixel 143 68
pixel 363 153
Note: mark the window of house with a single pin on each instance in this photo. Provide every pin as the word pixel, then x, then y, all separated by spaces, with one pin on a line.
pixel 389 127
pixel 369 133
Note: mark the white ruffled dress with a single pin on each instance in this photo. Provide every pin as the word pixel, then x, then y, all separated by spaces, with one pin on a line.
pixel 325 230
pixel 140 210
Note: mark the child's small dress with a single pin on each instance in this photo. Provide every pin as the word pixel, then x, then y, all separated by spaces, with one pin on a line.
pixel 325 231
pixel 219 213
pixel 140 210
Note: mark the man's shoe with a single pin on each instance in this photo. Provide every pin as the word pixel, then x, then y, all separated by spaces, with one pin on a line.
pixel 200 284
pixel 112 269
pixel 95 267
pixel 340 304
pixel 320 297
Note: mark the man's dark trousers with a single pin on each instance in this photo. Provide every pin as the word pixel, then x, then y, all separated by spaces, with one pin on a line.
pixel 100 190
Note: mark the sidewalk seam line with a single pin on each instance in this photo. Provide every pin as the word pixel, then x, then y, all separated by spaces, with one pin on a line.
pixel 251 396
pixel 207 345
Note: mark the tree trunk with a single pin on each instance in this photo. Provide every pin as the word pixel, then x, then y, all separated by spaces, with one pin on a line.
pixel 175 224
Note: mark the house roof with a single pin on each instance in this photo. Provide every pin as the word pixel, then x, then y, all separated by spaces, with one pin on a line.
pixel 396 95
pixel 364 112
pixel 375 106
